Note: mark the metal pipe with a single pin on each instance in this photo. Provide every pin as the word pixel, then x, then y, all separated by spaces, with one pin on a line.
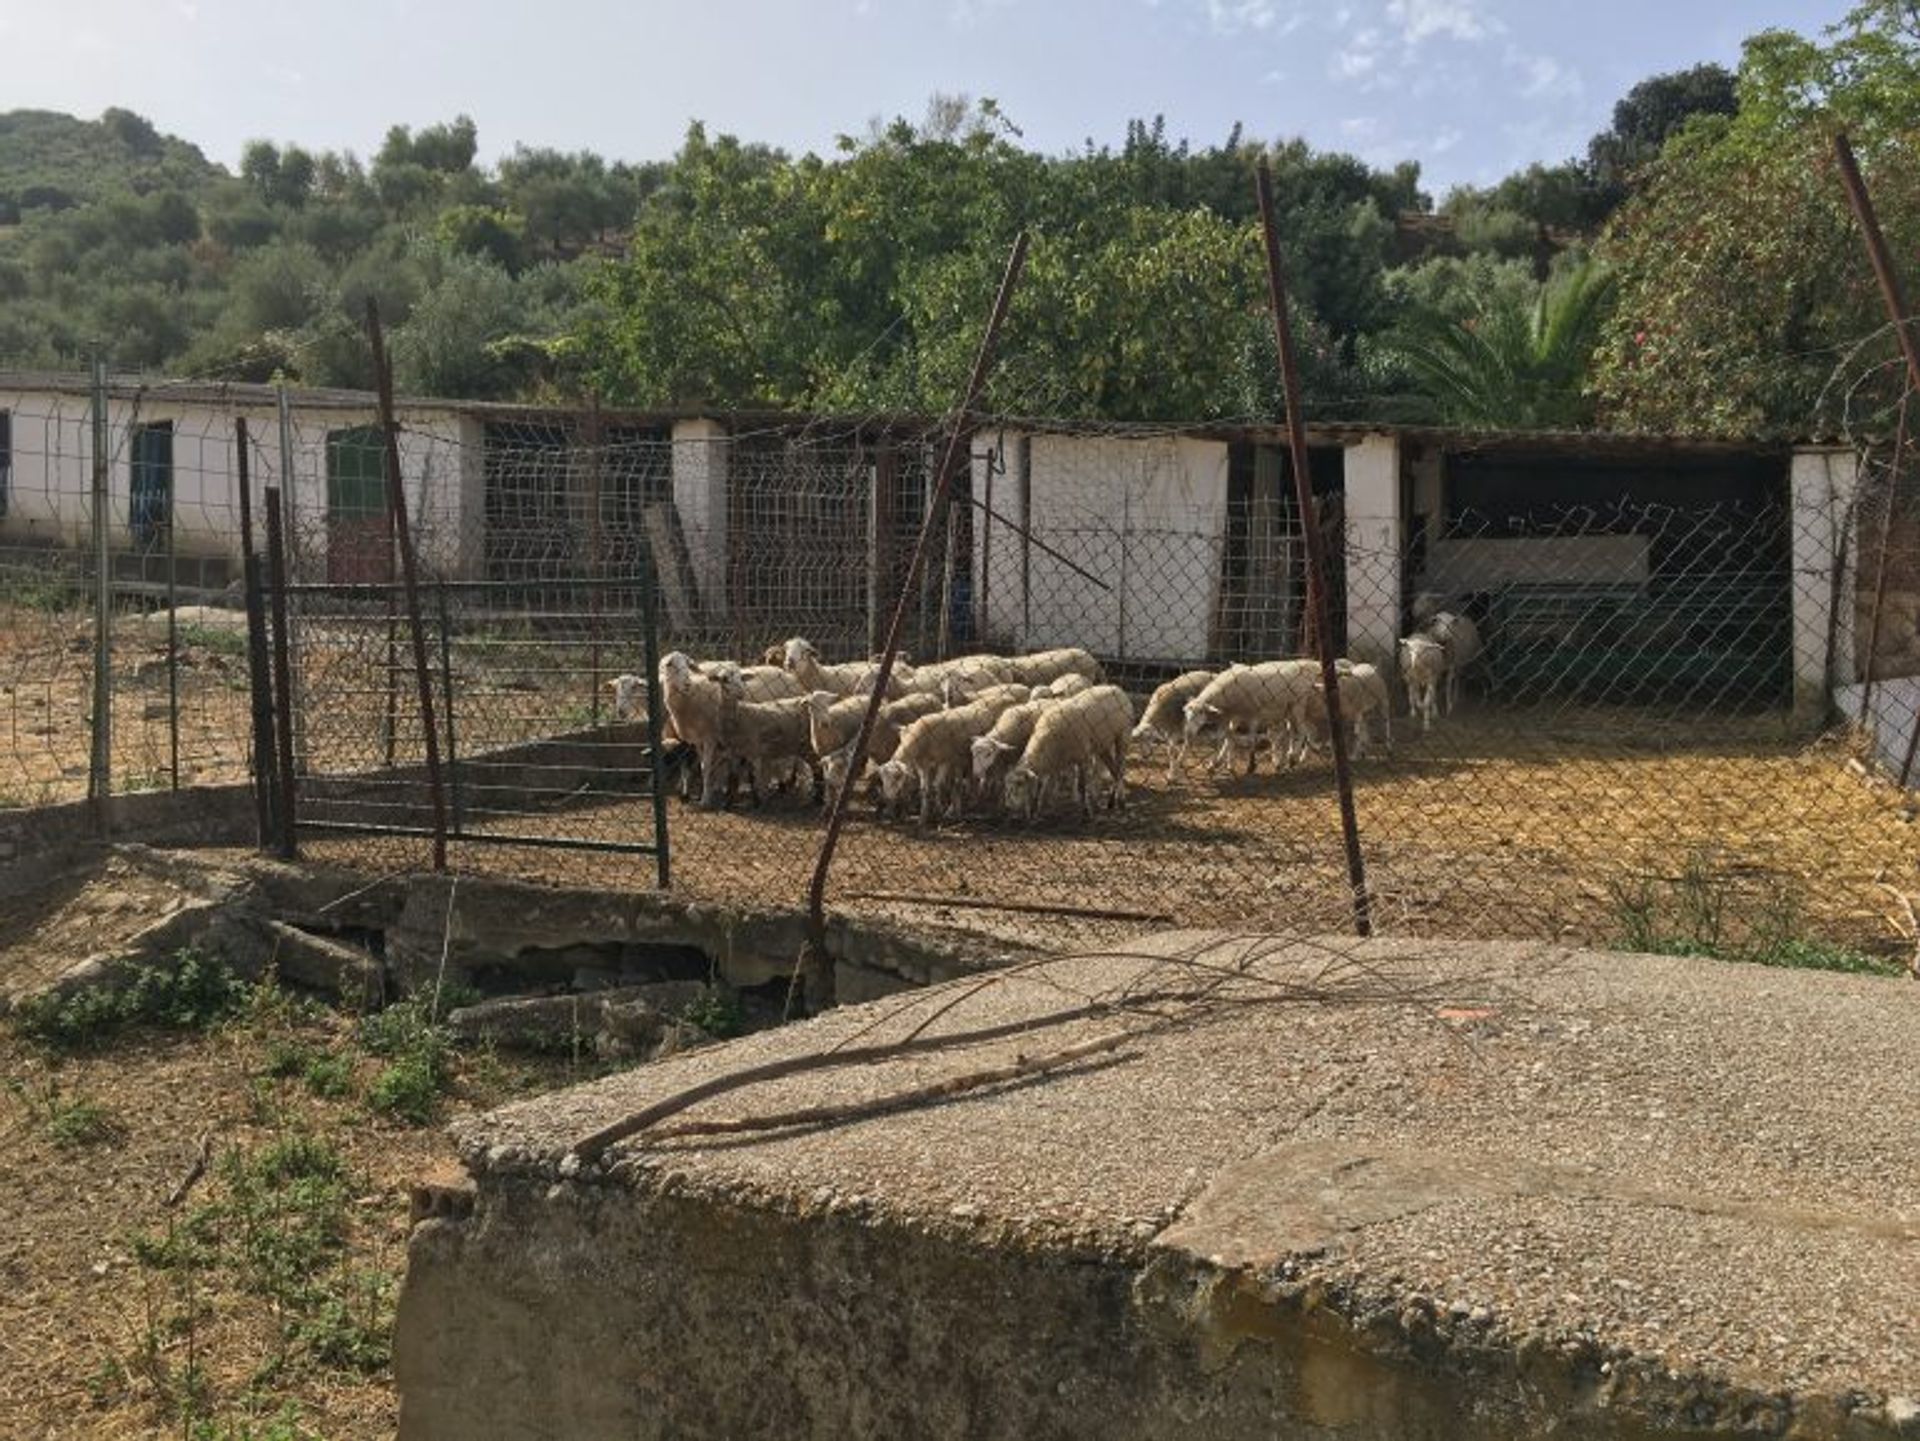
pixel 410 582
pixel 446 697
pixel 173 638
pixel 656 720
pixel 100 752
pixel 956 435
pixel 282 674
pixel 257 680
pixel 1316 553
pixel 1880 573
pixel 1877 252
pixel 593 552
pixel 291 492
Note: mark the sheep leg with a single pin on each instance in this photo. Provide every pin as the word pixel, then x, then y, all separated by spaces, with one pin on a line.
pixel 1117 763
pixel 709 777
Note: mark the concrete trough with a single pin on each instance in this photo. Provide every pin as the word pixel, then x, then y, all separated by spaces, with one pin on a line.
pixel 1242 1187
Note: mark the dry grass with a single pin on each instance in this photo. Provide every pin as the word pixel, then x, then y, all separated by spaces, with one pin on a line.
pixel 1482 829
pixel 100 1338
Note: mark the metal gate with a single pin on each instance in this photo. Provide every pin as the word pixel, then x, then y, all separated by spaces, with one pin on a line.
pixel 538 745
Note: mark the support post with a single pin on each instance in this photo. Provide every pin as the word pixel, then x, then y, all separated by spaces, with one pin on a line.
pixel 290 490
pixel 100 753
pixel 1316 555
pixel 446 697
pixel 258 684
pixel 1877 253
pixel 936 498
pixel 410 582
pixel 173 651
pixel 283 709
pixel 594 483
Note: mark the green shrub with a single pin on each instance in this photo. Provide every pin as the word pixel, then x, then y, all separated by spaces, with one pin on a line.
pixel 194 993
pixel 718 1013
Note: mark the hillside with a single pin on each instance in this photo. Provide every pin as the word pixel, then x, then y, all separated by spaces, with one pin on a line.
pixel 54 161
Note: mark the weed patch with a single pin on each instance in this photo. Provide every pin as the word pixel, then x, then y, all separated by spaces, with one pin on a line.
pixel 192 994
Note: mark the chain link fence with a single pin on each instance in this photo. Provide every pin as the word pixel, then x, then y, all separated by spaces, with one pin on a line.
pixel 1604 690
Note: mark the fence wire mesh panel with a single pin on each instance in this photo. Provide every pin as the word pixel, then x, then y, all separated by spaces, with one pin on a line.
pixel 161 565
pixel 1626 681
pixel 536 598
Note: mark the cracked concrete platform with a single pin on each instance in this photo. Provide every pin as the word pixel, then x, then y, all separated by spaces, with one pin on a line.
pixel 1334 1188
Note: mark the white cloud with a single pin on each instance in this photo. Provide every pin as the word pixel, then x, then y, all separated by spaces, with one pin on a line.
pixel 1423 20
pixel 1275 18
pixel 1542 77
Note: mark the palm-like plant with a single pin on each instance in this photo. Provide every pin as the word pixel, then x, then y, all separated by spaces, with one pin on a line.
pixel 1512 365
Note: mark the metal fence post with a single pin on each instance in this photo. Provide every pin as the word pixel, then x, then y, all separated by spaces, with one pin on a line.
pixel 290 493
pixel 282 678
pixel 259 686
pixel 100 755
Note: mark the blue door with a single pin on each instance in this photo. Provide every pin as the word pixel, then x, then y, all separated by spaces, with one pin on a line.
pixel 150 511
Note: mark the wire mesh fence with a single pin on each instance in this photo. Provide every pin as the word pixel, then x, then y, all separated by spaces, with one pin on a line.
pixel 1602 690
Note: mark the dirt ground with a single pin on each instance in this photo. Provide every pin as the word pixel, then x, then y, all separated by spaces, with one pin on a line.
pixel 1555 830
pixel 94 1342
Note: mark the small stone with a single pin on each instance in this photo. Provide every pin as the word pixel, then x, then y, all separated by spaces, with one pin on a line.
pixel 570 1164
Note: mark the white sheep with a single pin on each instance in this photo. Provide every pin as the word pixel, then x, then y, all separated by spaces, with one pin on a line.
pixel 771 739
pixel 958 679
pixel 935 752
pixel 1423 666
pixel 1165 716
pixel 997 750
pixel 694 703
pixel 834 720
pixel 1060 687
pixel 1246 702
pixel 857 677
pixel 1363 694
pixel 1046 666
pixel 1069 740
pixel 1461 637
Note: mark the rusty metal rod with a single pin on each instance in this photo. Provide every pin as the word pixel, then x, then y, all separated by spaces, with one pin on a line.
pixel 260 688
pixel 1316 554
pixel 1024 908
pixel 1040 545
pixel 1880 572
pixel 957 440
pixel 282 677
pixel 410 581
pixel 1877 252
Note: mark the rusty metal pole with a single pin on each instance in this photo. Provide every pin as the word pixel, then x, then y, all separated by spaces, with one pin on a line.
pixel 595 443
pixel 282 676
pixel 1877 252
pixel 259 687
pixel 1897 464
pixel 957 434
pixel 410 582
pixel 1316 555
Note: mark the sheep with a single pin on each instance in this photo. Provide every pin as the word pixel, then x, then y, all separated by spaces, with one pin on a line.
pixel 856 677
pixel 1043 667
pixel 935 751
pixel 694 703
pixel 1165 715
pixel 1363 693
pixel 1248 701
pixel 1423 666
pixel 1071 737
pixel 768 737
pixel 999 747
pixel 834 720
pixel 1060 687
pixel 1461 637
pixel 958 679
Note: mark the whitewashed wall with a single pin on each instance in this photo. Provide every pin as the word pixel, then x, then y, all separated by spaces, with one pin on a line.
pixel 51 482
pixel 1144 519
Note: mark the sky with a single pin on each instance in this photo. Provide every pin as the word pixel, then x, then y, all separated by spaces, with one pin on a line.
pixel 1471 89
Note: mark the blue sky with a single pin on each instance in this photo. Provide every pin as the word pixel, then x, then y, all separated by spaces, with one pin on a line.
pixel 1470 88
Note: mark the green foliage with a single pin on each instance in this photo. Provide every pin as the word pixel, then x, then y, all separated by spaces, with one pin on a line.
pixel 71 1121
pixel 193 993
pixel 717 1012
pixel 1746 302
pixel 419 1059
pixel 277 1224
pixel 1511 362
pixel 1704 912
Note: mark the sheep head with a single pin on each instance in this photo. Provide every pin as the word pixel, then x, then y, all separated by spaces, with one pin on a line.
pixel 986 755
pixel 798 654
pixel 1201 718
pixel 676 669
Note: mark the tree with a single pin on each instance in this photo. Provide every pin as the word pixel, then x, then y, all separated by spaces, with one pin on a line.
pixel 1746 305
pixel 1513 362
pixel 1645 118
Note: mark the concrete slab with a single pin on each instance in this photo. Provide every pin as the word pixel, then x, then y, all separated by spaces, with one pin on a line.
pixel 1333 1188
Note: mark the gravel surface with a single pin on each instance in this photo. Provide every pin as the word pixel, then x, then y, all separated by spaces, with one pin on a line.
pixel 1710 1167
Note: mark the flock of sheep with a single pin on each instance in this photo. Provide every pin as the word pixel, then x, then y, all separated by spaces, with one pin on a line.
pixel 1013 732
